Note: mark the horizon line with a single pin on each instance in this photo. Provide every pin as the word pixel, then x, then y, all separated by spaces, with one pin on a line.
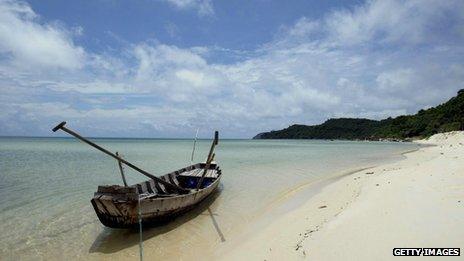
pixel 97 137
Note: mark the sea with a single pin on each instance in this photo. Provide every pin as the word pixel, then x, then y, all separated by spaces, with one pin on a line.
pixel 46 185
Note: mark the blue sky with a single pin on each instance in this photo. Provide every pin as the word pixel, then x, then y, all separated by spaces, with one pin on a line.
pixel 242 25
pixel 163 68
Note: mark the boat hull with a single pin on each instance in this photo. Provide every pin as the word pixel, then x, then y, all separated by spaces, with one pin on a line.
pixel 117 213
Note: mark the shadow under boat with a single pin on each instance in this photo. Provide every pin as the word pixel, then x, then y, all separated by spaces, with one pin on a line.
pixel 112 240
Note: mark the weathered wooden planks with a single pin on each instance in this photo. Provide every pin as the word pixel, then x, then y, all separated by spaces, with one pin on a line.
pixel 116 206
pixel 116 189
pixel 197 173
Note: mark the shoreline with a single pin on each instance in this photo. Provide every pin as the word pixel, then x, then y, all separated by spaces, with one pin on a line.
pixel 337 221
pixel 294 197
pixel 322 182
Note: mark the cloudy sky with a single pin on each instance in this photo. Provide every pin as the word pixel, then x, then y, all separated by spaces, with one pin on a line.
pixel 163 68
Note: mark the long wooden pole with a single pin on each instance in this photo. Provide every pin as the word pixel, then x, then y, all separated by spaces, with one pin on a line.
pixel 121 170
pixel 194 143
pixel 170 185
pixel 209 159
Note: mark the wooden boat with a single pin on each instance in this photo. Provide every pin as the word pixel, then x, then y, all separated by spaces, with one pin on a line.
pixel 117 206
pixel 156 200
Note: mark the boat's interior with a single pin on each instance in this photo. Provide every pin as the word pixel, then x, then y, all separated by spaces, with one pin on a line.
pixel 187 177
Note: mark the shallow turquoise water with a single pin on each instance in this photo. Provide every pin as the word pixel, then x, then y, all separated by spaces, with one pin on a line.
pixel 46 185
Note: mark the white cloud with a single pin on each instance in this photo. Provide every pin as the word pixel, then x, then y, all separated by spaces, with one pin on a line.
pixel 195 78
pixel 387 21
pixel 398 80
pixel 303 27
pixel 380 59
pixel 151 57
pixel 28 43
pixel 140 120
pixel 203 7
pixel 93 87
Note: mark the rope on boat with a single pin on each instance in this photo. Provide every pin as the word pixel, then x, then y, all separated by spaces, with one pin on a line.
pixel 140 230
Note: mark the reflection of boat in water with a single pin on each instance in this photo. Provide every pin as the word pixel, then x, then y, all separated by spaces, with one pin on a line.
pixel 156 200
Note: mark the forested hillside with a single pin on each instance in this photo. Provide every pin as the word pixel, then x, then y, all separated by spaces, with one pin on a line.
pixel 448 116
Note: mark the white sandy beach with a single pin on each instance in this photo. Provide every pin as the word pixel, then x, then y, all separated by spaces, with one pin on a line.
pixel 416 202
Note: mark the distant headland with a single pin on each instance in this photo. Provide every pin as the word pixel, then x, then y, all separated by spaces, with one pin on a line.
pixel 448 116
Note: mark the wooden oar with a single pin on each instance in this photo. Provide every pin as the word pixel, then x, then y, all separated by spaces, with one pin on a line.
pixel 170 185
pixel 209 159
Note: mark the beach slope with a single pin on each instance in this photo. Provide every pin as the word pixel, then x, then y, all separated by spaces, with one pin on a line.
pixel 416 202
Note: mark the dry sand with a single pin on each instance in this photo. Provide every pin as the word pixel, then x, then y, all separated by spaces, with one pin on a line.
pixel 416 202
